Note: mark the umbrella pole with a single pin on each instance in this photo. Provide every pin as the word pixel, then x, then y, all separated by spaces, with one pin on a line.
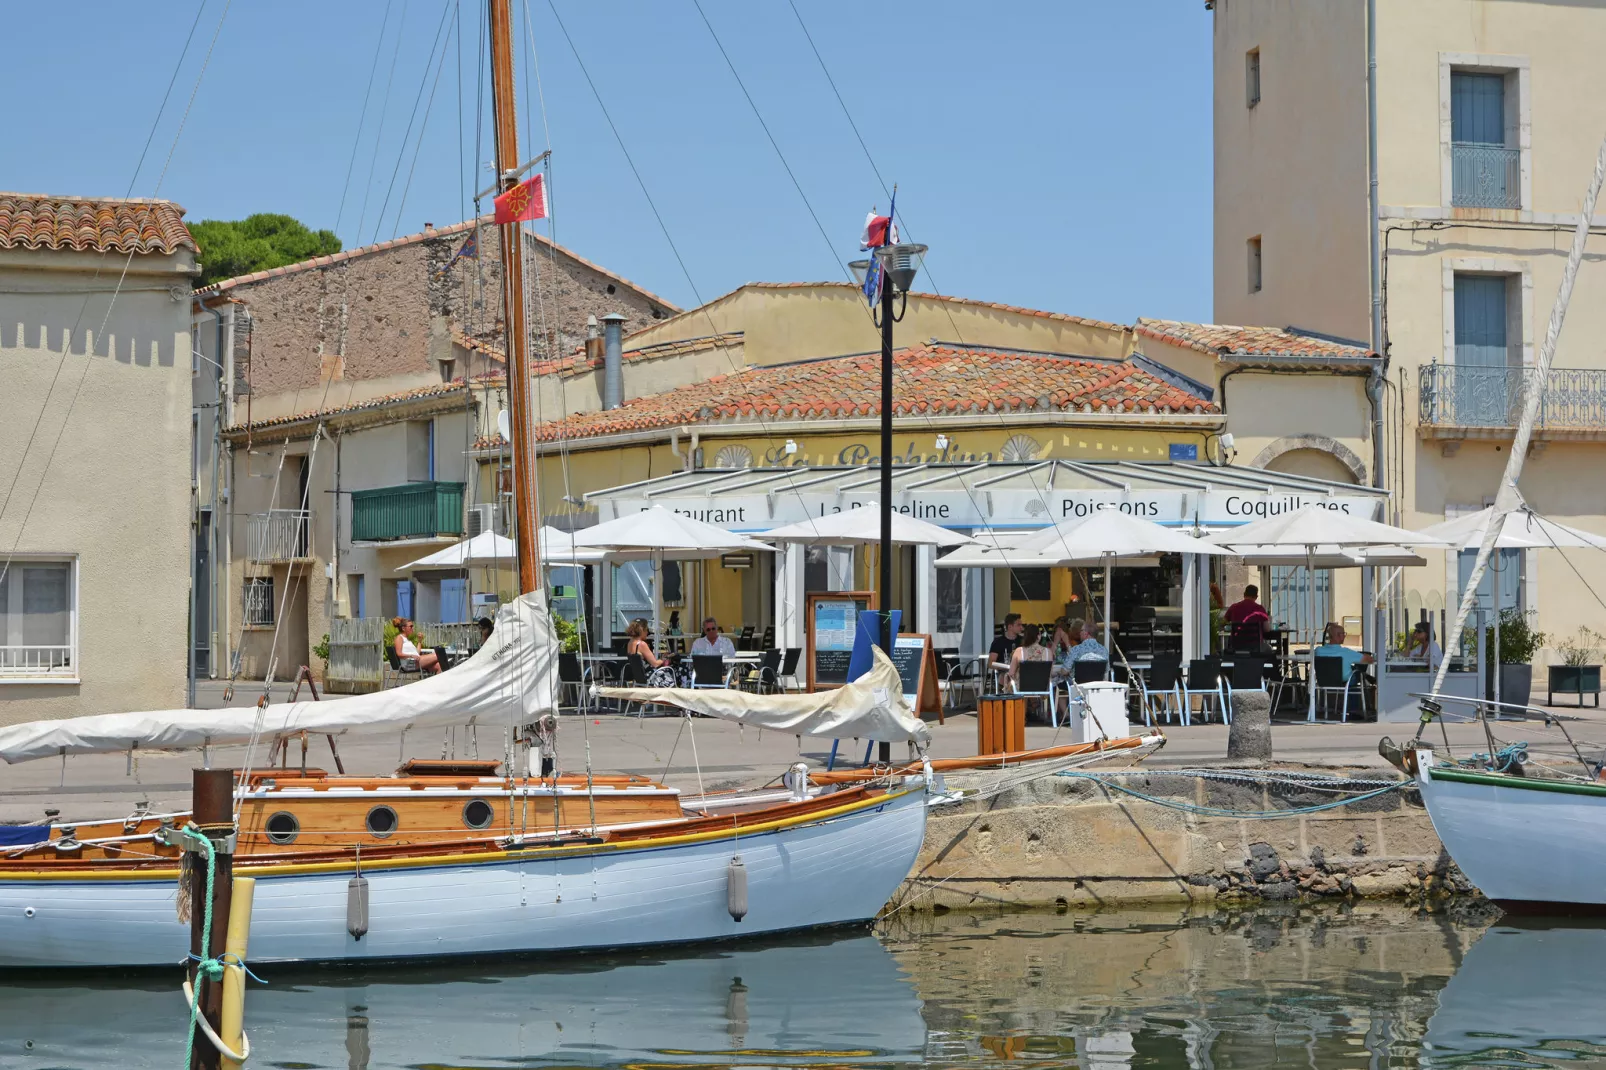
pixel 1310 607
pixel 657 597
pixel 1109 634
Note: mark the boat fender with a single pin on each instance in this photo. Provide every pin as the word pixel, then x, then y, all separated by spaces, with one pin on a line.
pixel 357 907
pixel 736 888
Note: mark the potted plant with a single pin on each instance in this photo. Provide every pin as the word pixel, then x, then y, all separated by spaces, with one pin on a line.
pixel 1579 671
pixel 1519 642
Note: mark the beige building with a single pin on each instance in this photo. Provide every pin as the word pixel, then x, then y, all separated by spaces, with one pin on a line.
pixel 1488 114
pixel 95 450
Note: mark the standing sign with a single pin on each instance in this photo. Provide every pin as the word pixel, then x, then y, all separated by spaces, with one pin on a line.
pixel 916 662
pixel 830 620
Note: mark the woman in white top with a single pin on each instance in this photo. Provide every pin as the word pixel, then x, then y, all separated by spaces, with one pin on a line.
pixel 1422 645
pixel 1029 650
pixel 428 660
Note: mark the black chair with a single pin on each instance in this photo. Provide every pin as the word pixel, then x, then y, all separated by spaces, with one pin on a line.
pixel 956 675
pixel 794 654
pixel 744 639
pixel 1034 679
pixel 1204 681
pixel 1331 679
pixel 571 676
pixel 769 637
pixel 633 673
pixel 400 667
pixel 708 670
pixel 1088 671
pixel 1248 673
pixel 1161 690
pixel 767 680
pixel 1137 638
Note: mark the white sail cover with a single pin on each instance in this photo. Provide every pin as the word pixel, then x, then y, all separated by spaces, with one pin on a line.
pixel 871 707
pixel 508 681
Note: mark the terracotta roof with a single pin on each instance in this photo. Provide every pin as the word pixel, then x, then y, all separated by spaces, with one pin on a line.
pixel 99 224
pixel 577 363
pixel 412 239
pixel 420 393
pixel 1224 340
pixel 938 379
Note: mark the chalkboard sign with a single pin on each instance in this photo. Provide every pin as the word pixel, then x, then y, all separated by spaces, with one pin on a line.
pixel 916 663
pixel 832 617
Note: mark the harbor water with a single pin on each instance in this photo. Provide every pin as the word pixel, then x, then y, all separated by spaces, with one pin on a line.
pixel 1365 985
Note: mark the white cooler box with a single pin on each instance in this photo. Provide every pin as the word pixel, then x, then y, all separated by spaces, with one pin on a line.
pixel 1101 712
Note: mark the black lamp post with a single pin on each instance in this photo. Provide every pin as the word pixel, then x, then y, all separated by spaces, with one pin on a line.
pixel 899 263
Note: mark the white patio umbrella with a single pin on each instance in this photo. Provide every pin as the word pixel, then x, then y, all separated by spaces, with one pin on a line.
pixel 558 548
pixel 1108 537
pixel 1316 529
pixel 1523 529
pixel 658 535
pixel 996 549
pixel 863 526
pixel 485 550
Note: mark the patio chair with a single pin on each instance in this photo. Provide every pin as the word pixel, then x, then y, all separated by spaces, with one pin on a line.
pixel 572 676
pixel 1332 680
pixel 769 637
pixel 956 677
pixel 633 674
pixel 744 640
pixel 766 678
pixel 787 677
pixel 1034 679
pixel 1248 674
pixel 1203 682
pixel 398 670
pixel 708 670
pixel 1161 691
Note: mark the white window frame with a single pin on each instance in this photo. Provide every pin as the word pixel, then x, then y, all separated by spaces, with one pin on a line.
pixel 1519 298
pixel 1516 71
pixel 70 674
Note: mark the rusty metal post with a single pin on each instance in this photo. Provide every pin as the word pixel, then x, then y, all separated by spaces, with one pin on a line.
pixel 212 802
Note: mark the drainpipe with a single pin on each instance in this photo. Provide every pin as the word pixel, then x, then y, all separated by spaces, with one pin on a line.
pixel 613 372
pixel 1372 628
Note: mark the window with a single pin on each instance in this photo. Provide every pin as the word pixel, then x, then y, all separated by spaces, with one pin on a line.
pixel 420 451
pixel 38 618
pixel 1504 566
pixel 1254 264
pixel 1484 390
pixel 1252 76
pixel 1030 584
pixel 1484 157
pixel 259 602
pixel 357 586
pixel 950 597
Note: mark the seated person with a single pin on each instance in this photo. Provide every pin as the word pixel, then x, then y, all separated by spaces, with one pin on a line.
pixel 429 661
pixel 1249 621
pixel 1083 648
pixel 486 627
pixel 1029 650
pixel 1355 661
pixel 637 643
pixel 711 642
pixel 1004 644
pixel 1422 646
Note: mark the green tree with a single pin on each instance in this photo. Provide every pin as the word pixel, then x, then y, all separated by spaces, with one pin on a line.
pixel 256 243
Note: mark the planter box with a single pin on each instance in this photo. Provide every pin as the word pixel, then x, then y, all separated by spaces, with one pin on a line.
pixel 1577 680
pixel 1516 683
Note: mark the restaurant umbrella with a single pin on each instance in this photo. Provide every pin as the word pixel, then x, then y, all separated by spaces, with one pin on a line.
pixel 1107 537
pixel 485 550
pixel 658 534
pixel 863 525
pixel 1314 529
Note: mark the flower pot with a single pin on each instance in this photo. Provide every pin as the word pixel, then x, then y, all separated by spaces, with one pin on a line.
pixel 1577 680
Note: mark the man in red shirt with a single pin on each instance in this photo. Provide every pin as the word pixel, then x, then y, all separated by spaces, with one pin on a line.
pixel 1249 620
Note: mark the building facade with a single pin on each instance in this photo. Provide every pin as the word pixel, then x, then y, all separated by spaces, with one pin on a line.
pixel 1488 115
pixel 95 444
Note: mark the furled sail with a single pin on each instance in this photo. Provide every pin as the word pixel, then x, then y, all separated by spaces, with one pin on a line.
pixel 508 681
pixel 871 707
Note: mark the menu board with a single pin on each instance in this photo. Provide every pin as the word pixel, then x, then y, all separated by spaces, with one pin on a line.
pixel 916 663
pixel 831 621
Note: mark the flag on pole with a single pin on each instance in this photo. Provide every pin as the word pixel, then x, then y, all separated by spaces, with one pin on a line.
pixel 469 250
pixel 879 230
pixel 523 202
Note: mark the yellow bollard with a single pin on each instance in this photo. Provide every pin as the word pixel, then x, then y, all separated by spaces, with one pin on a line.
pixel 233 1019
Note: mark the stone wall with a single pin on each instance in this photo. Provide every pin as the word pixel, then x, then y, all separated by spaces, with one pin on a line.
pixel 1062 840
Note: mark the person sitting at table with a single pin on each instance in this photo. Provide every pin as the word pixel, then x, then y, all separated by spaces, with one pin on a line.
pixel 429 661
pixel 1422 646
pixel 637 643
pixel 1004 644
pixel 1087 648
pixel 1062 640
pixel 711 642
pixel 486 627
pixel 1333 647
pixel 1249 620
pixel 1029 650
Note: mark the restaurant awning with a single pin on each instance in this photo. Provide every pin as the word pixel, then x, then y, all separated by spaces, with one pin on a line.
pixel 990 494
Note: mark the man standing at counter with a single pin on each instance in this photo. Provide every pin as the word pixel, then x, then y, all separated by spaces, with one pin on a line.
pixel 1248 619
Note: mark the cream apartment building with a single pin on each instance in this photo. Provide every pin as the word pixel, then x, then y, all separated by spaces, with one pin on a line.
pixel 95 442
pixel 1486 116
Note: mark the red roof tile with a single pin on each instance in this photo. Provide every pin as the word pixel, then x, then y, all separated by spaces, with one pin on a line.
pixel 1224 340
pixel 103 224
pixel 939 378
pixel 420 393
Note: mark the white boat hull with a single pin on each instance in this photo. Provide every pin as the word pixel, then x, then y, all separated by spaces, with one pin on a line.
pixel 829 871
pixel 1526 844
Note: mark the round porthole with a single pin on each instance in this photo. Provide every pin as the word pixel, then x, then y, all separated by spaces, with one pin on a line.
pixel 477 814
pixel 283 827
pixel 381 821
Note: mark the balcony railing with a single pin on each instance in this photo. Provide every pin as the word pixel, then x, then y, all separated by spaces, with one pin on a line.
pixel 1485 176
pixel 278 534
pixel 411 511
pixel 35 660
pixel 1454 395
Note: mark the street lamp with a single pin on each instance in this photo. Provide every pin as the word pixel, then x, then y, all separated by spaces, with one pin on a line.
pixel 899 263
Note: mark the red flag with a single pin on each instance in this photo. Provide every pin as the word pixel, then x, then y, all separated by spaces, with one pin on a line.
pixel 525 201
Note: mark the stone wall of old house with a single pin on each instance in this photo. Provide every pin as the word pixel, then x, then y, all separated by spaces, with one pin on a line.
pixel 373 315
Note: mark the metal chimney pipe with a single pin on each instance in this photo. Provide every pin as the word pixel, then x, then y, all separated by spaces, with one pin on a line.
pixel 613 372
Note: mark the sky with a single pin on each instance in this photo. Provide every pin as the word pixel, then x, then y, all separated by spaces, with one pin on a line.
pixel 1054 155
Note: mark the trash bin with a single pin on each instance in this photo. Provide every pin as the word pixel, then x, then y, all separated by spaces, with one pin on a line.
pixel 1000 724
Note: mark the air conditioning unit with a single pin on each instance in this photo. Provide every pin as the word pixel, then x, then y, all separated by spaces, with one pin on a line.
pixel 483 518
pixel 484 604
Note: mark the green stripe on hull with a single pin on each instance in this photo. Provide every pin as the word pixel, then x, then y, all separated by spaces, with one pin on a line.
pixel 1500 780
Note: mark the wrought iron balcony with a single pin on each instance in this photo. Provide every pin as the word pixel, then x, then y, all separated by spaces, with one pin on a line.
pixel 410 511
pixel 1485 176
pixel 1453 395
pixel 278 535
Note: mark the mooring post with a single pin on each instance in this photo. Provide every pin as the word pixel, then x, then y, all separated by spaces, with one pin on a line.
pixel 212 803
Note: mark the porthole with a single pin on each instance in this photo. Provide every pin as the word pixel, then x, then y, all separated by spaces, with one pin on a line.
pixel 283 827
pixel 478 814
pixel 382 821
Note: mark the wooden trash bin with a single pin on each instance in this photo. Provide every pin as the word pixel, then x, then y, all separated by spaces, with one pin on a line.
pixel 1000 724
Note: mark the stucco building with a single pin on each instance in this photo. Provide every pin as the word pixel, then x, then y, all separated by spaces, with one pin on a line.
pixel 95 450
pixel 1486 119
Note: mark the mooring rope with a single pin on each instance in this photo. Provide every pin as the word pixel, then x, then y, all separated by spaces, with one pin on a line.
pixel 210 969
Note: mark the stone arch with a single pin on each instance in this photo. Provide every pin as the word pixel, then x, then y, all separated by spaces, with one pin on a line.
pixel 1321 443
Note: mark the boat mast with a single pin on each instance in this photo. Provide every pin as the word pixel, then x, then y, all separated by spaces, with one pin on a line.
pixel 525 506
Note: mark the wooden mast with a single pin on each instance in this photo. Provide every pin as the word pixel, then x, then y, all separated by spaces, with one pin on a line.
pixel 525 507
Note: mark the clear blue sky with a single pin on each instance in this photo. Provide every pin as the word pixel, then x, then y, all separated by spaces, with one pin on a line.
pixel 1053 154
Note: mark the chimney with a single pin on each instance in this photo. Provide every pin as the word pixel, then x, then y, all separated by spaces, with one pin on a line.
pixel 613 371
pixel 593 344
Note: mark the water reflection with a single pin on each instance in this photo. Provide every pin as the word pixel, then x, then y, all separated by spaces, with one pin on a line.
pixel 1316 987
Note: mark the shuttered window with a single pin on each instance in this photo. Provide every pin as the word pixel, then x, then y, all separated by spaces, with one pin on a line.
pixel 1477 108
pixel 1480 321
